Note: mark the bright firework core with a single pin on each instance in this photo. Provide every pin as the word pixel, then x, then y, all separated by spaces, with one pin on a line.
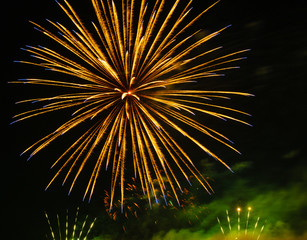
pixel 127 93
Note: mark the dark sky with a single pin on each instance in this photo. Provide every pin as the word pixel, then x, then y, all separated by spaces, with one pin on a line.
pixel 275 72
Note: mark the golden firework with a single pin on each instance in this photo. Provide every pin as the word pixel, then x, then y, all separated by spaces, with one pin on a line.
pixel 129 77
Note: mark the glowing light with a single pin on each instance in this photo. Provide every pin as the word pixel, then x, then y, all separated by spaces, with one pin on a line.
pixel 122 83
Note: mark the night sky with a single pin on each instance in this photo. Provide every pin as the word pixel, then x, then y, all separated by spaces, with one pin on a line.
pixel 270 175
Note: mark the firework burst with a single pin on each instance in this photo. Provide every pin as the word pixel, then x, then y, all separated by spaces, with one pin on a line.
pixel 238 229
pixel 71 229
pixel 124 78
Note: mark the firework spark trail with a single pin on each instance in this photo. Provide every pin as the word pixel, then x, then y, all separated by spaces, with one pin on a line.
pixel 221 228
pixel 247 219
pixel 126 73
pixel 228 220
pixel 256 224
pixel 239 224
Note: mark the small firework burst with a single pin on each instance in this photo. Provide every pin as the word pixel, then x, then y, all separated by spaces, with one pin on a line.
pixel 136 203
pixel 71 228
pixel 136 206
pixel 242 226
